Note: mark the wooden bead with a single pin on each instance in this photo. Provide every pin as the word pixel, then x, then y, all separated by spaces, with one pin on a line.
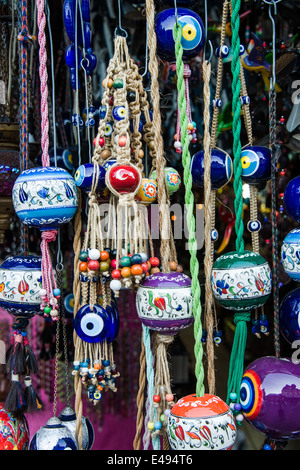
pixel 154 270
pixel 173 265
pixel 126 272
pixel 107 82
pixel 136 270
pixel 83 266
pixel 104 255
pixel 122 141
pixel 179 268
pixel 105 154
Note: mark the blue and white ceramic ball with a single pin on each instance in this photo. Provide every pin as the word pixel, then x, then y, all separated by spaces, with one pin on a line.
pixel 221 168
pixel 192 33
pixel 20 285
pixel 45 197
pixel 53 436
pixel 290 254
pixel 256 164
pixel 69 419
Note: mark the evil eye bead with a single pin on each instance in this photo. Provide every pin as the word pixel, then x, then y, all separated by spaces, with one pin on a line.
pixel 256 164
pixel 214 235
pixel 221 168
pixel 119 113
pixel 192 33
pixel 251 394
pixel 102 112
pixel 222 51
pixel 92 326
pixel 242 49
pixel 254 226
pixel 108 129
pixel 245 100
pixel 217 103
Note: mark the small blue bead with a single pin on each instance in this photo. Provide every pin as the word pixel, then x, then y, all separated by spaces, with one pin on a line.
pixel 157 425
pixel 233 396
pixel 56 292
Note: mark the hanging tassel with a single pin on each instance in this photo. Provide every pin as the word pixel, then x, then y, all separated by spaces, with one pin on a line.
pixel 15 401
pixel 32 400
pixel 15 358
pixel 50 291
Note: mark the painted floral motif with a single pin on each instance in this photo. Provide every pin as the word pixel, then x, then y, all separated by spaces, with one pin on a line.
pixel 239 284
pixel 13 433
pixel 150 190
pixel 172 179
pixel 164 305
pixel 290 257
pixel 216 433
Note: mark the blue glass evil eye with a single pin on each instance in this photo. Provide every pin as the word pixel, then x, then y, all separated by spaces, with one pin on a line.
pixel 94 325
pixel 108 129
pixel 119 113
pixel 192 33
pixel 256 164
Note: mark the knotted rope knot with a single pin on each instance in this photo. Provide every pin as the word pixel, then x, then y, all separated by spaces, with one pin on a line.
pixel 241 316
pixel 49 235
pixel 186 69
pixel 165 339
pixel 26 38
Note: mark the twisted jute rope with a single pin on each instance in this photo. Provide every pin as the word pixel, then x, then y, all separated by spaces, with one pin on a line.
pixel 209 303
pixel 236 363
pixel 189 204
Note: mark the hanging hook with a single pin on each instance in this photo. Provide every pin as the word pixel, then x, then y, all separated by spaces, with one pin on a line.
pixel 119 27
pixel 274 4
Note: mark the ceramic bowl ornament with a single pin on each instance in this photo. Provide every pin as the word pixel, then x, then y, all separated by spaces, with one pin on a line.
pixel 201 423
pixel 270 397
pixel 256 164
pixel 221 168
pixel 241 281
pixel 289 316
pixel 290 254
pixel 291 198
pixel 84 177
pixel 164 302
pixel 14 433
pixel 53 436
pixel 68 419
pixel 172 178
pixel 20 285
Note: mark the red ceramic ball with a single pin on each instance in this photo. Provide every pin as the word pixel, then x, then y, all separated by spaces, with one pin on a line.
pixel 116 274
pixel 154 261
pixel 93 265
pixel 124 178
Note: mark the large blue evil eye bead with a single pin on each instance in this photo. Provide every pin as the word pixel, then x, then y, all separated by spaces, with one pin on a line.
pixel 221 168
pixel 192 33
pixel 94 325
pixel 256 164
pixel 119 113
pixel 291 198
pixel 84 177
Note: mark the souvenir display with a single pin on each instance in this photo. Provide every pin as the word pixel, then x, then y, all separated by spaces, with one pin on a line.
pixel 149 226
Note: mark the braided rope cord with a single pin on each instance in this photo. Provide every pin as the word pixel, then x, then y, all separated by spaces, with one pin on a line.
pixel 189 202
pixel 274 156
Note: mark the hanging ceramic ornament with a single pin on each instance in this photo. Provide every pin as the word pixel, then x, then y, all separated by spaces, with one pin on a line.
pixel 291 198
pixel 221 168
pixel 290 254
pixel 20 285
pixel 192 42
pixel 14 433
pixel 84 177
pixel 201 423
pixel 68 419
pixel 173 179
pixel 289 316
pixel 164 302
pixel 270 397
pixel 53 436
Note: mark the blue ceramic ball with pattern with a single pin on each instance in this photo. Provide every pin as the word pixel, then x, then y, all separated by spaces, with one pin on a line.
pixel 221 168
pixel 256 164
pixel 45 197
pixel 20 285
pixel 192 33
pixel 290 254
pixel 289 316
pixel 68 418
pixel 53 436
pixel 291 198
pixel 84 177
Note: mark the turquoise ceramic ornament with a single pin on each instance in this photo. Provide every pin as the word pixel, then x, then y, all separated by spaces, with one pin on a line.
pixel 45 197
pixel 241 281
pixel 290 254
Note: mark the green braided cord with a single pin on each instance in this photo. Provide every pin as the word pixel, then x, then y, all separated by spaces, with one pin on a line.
pixel 236 364
pixel 236 126
pixel 189 203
